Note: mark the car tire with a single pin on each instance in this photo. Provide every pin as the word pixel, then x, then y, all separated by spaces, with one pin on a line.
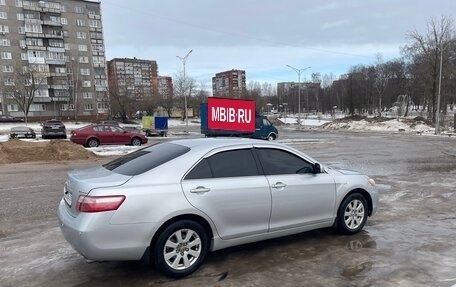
pixel 271 137
pixel 180 248
pixel 135 141
pixel 93 142
pixel 352 214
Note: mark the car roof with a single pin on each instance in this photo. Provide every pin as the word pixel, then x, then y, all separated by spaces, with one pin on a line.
pixel 219 142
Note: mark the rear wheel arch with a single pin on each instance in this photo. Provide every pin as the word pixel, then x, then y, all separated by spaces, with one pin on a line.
pixel 92 139
pixel 191 217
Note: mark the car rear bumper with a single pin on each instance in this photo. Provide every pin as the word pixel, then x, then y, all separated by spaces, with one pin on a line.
pixel 92 235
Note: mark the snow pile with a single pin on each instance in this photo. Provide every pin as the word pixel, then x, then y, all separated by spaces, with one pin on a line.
pixel 304 122
pixel 383 125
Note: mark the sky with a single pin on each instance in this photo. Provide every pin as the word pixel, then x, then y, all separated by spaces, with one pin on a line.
pixel 262 37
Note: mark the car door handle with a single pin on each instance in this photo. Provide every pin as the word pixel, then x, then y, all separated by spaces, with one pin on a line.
pixel 279 185
pixel 200 189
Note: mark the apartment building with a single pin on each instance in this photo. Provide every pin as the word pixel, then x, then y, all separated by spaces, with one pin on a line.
pixel 133 78
pixel 53 50
pixel 229 84
pixel 165 86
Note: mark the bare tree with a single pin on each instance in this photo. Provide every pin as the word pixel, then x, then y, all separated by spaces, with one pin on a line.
pixel 427 48
pixel 26 82
pixel 381 80
pixel 184 88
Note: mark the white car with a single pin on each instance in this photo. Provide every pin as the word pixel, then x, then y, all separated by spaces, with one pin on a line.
pixel 175 201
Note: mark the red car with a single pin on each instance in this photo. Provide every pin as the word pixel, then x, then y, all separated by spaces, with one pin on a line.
pixel 103 134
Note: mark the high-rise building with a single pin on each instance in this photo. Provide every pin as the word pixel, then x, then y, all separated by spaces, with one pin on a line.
pixel 53 51
pixel 134 79
pixel 229 84
pixel 165 86
pixel 133 86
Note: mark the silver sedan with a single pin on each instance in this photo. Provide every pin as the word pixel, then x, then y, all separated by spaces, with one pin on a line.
pixel 172 202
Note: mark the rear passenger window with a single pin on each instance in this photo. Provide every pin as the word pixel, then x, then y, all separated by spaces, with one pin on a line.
pixel 233 163
pixel 201 170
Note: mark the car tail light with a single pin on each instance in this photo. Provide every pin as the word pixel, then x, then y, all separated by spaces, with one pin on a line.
pixel 99 203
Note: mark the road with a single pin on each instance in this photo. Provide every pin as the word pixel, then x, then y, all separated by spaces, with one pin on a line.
pixel 409 242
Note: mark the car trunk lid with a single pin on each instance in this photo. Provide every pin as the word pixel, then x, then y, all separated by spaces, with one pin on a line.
pixel 81 182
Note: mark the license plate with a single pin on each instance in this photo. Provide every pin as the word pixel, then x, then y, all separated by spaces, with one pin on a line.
pixel 54 127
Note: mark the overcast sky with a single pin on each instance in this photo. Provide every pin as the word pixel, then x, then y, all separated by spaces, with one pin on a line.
pixel 263 36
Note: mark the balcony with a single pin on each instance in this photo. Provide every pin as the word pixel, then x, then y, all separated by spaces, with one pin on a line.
pixel 59 87
pixel 42 99
pixel 58 75
pixel 51 23
pixel 54 36
pixel 34 35
pixel 55 62
pixel 41 9
pixel 56 49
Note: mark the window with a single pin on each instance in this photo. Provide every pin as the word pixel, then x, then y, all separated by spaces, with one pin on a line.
pixel 2 2
pixel 81 35
pixel 83 60
pixel 37 108
pixel 5 55
pixel 79 10
pixel 88 107
pixel 9 82
pixel 7 69
pixel 22 44
pixel 98 60
pixel 3 15
pixel 282 162
pixel 82 48
pixel 65 33
pixel 87 95
pixel 18 3
pixel 60 70
pixel 33 28
pixel 64 21
pixel 4 29
pixel 21 30
pixel 56 43
pixel 146 159
pixel 86 84
pixel 5 42
pixel 233 163
pixel 201 170
pixel 80 22
pixel 12 108
pixel 95 23
pixel 34 42
pixel 67 46
pixel 102 106
pixel 85 72
pixel 20 16
pixel 24 56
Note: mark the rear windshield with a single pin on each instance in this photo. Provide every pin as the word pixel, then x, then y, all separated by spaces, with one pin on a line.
pixel 146 159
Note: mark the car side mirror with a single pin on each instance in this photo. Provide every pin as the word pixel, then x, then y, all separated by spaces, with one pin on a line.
pixel 316 168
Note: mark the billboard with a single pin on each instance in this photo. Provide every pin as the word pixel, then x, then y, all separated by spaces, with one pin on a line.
pixel 231 114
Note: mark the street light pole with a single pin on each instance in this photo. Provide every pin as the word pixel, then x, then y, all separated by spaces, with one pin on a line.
pixel 437 112
pixel 299 71
pixel 183 60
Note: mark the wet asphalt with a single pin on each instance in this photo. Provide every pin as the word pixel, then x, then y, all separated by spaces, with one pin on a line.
pixel 409 242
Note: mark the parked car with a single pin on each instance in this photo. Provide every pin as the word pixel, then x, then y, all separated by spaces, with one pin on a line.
pixel 53 129
pixel 10 119
pixel 103 134
pixel 175 201
pixel 22 132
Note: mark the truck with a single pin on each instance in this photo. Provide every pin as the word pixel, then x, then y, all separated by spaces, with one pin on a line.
pixel 155 126
pixel 264 129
